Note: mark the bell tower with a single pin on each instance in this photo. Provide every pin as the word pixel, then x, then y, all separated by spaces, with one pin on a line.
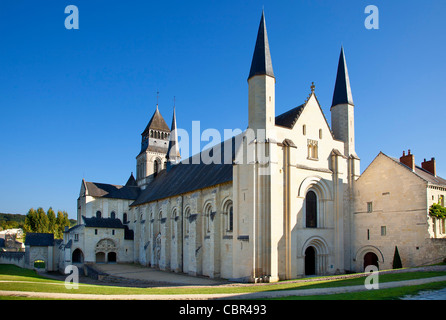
pixel 154 144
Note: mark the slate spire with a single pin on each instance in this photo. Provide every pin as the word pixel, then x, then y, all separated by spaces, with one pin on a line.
pixel 342 92
pixel 157 122
pixel 261 60
pixel 173 151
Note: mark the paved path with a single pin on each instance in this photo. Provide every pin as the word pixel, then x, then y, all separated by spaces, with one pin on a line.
pixel 155 277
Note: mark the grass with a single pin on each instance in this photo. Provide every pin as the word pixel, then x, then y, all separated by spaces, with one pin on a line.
pixel 29 280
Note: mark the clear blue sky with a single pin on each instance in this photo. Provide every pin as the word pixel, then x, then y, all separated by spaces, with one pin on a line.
pixel 74 102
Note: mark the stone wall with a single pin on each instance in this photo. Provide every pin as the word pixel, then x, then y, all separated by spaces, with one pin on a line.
pixel 16 258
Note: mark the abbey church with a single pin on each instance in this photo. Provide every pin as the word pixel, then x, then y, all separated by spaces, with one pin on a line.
pixel 285 200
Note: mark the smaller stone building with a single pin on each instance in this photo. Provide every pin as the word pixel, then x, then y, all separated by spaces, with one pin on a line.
pixel 42 251
pixel 392 201
pixel 97 240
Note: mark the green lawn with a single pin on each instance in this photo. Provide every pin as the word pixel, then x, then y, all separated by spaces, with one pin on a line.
pixel 29 280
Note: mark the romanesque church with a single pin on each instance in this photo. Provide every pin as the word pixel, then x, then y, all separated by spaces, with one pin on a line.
pixel 285 200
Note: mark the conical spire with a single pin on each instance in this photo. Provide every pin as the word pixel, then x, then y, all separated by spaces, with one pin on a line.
pixel 131 182
pixel 342 92
pixel 261 60
pixel 173 151
pixel 157 122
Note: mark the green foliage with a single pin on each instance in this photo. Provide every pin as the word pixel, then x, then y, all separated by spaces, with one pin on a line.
pixel 436 210
pixel 11 221
pixel 41 222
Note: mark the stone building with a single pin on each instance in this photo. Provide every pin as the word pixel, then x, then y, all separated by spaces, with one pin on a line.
pixel 276 202
pixel 392 201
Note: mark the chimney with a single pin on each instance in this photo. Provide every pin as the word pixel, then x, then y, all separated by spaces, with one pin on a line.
pixel 430 166
pixel 408 160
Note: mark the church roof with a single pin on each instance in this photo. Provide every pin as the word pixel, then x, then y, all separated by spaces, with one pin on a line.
pixel 342 93
pixel 103 223
pixel 261 60
pixel 105 190
pixel 131 182
pixel 157 122
pixel 289 118
pixel 187 176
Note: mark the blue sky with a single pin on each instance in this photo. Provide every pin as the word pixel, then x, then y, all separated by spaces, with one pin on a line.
pixel 74 102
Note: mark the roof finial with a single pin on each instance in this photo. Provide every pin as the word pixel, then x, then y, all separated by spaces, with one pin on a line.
pixel 312 87
pixel 157 97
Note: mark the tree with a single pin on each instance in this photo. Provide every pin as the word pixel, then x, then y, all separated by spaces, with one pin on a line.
pixel 42 221
pixel 51 220
pixel 62 221
pixel 30 221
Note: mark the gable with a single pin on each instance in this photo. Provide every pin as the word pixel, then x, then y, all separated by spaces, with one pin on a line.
pixel 314 118
pixel 384 167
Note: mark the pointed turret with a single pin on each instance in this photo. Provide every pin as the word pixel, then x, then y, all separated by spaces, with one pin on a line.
pixel 131 182
pixel 342 109
pixel 342 92
pixel 173 151
pixel 261 60
pixel 261 83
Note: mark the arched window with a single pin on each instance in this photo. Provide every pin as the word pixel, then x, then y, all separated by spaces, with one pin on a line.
pixel 124 217
pixel 311 210
pixel 98 214
pixel 113 215
pixel 155 166
pixel 229 216
pixel 207 215
pixel 187 220
pixel 173 217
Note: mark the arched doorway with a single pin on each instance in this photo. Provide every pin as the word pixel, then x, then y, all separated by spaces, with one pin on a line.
pixel 111 257
pixel 100 257
pixel 77 256
pixel 370 258
pixel 310 261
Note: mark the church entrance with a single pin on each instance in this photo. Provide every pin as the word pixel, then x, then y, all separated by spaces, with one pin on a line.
pixel 310 261
pixel 370 259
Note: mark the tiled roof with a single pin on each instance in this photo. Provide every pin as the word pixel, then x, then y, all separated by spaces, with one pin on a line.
pixel 104 190
pixel 39 239
pixel 187 176
pixel 102 223
pixel 421 173
pixel 289 118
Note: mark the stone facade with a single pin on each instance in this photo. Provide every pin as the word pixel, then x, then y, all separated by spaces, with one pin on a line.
pixel 289 204
pixel 392 210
